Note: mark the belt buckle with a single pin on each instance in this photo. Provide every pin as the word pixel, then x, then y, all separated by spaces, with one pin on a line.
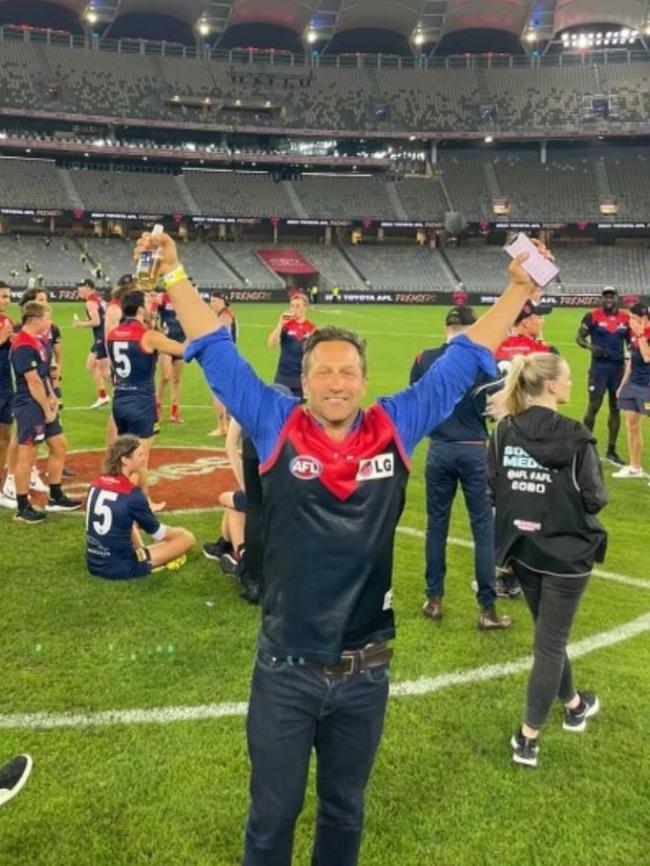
pixel 346 666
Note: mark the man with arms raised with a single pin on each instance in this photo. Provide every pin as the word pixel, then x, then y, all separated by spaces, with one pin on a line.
pixel 322 664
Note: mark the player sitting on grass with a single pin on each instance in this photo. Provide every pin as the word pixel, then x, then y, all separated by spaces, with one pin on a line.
pixel 116 509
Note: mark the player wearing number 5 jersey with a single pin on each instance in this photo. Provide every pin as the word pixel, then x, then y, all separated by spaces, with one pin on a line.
pixel 132 349
pixel 116 510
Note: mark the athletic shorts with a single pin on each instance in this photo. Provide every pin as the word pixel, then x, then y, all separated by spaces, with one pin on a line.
pixel 6 412
pixel 239 500
pixel 98 349
pixel 635 398
pixel 137 565
pixel 605 378
pixel 31 427
pixel 136 417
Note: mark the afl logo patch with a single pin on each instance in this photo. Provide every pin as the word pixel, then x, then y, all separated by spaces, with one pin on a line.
pixel 305 468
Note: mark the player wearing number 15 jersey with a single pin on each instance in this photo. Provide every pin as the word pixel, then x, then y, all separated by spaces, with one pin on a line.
pixel 132 349
pixel 115 511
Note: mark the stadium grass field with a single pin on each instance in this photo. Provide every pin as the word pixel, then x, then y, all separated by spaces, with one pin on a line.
pixel 444 790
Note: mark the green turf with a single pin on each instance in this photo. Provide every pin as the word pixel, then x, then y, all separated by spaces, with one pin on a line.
pixel 443 790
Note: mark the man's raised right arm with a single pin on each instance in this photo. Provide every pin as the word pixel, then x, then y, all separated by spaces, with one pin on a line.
pixel 259 409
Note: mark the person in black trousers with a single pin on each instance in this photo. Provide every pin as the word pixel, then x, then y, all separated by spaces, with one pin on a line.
pixel 546 483
pixel 457 454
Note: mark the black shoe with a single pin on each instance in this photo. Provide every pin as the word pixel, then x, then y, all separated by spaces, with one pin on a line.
pixel 613 457
pixel 524 750
pixel 63 503
pixel 504 589
pixel 30 515
pixel 216 549
pixel 576 720
pixel 249 591
pixel 228 563
pixel 68 473
pixel 13 776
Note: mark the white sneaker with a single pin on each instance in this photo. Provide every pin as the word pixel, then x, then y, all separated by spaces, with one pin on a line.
pixel 629 472
pixel 101 401
pixel 36 482
pixel 6 502
pixel 9 488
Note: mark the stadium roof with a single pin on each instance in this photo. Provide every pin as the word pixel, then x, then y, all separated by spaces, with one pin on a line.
pixel 329 18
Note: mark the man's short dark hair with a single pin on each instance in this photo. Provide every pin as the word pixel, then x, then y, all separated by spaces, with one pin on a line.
pixel 334 334
pixel 639 309
pixel 221 295
pixel 32 310
pixel 90 283
pixel 131 303
pixel 4 285
pixel 29 295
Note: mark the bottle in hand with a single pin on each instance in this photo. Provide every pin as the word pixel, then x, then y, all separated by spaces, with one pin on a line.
pixel 148 266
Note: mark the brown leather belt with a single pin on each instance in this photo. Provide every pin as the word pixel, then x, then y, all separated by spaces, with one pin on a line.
pixel 353 661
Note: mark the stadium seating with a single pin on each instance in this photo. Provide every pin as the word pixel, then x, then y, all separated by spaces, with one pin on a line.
pixel 28 183
pixel 23 258
pixel 346 196
pixel 409 268
pixel 227 193
pixel 142 192
pixel 57 78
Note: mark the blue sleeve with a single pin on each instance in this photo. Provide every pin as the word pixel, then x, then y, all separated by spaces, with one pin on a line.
pixel 141 513
pixel 23 359
pixel 420 408
pixel 259 408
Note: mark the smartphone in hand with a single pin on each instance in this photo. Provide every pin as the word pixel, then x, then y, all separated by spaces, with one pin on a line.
pixel 537 266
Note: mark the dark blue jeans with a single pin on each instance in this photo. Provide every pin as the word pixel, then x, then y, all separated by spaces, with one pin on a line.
pixel 449 463
pixel 293 709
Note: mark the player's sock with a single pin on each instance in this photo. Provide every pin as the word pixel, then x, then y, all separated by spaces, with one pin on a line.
pixel 55 491
pixel 102 394
pixel 22 500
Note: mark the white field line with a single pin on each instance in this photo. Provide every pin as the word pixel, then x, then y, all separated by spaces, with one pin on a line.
pixel 597 572
pixel 408 688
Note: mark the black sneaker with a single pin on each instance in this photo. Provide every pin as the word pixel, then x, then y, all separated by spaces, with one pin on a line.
pixel 504 589
pixel 30 515
pixel 228 563
pixel 216 549
pixel 13 776
pixel 576 720
pixel 613 457
pixel 63 503
pixel 524 750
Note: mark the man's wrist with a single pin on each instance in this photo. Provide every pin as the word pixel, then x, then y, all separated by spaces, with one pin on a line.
pixel 176 275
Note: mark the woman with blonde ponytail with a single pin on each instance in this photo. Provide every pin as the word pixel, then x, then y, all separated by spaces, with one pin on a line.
pixel 546 485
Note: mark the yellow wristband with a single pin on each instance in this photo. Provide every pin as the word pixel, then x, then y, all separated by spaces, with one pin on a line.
pixel 173 277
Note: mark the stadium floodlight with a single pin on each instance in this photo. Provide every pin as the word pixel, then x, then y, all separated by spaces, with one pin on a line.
pixel 311 35
pixel 625 33
pixel 203 26
pixel 91 15
pixel 531 36
pixel 419 37
pixel 488 139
